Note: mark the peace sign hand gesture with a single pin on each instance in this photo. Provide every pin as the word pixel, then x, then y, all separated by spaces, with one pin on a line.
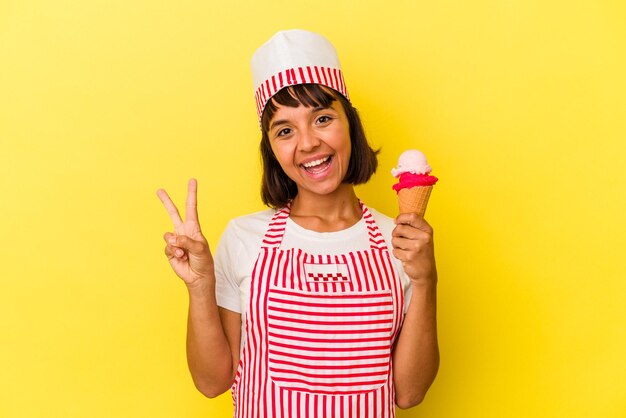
pixel 186 249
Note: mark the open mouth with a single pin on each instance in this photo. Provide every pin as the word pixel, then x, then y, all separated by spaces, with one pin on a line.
pixel 317 166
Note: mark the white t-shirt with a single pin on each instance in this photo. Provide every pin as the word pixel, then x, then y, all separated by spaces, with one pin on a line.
pixel 239 246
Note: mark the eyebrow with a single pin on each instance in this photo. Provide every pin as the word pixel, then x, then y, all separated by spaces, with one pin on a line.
pixel 278 122
pixel 284 121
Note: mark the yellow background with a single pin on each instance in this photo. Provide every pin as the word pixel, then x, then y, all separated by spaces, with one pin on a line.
pixel 519 105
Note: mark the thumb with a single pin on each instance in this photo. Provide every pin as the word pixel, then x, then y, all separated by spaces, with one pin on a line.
pixel 191 245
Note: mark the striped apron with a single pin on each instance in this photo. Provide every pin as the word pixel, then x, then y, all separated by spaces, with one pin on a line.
pixel 319 331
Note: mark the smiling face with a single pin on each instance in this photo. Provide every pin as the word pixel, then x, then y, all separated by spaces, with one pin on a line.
pixel 312 146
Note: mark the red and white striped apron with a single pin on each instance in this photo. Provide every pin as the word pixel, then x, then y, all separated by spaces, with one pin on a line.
pixel 319 331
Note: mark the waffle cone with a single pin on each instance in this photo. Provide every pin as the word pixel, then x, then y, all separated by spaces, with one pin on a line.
pixel 414 199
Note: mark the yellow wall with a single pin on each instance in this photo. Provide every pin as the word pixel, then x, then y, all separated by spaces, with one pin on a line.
pixel 520 106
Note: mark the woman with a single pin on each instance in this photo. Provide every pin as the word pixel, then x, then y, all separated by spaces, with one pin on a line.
pixel 304 311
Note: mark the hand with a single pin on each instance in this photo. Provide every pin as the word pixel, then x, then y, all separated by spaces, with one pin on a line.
pixel 412 241
pixel 186 249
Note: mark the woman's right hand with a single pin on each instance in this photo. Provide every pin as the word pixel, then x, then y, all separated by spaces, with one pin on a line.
pixel 186 248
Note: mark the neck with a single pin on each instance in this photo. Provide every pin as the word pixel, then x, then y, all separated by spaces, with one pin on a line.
pixel 328 213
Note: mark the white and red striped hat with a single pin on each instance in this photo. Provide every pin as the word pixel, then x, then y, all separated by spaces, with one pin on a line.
pixel 294 57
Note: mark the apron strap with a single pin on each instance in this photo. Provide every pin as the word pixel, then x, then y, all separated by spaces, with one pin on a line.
pixel 276 228
pixel 377 241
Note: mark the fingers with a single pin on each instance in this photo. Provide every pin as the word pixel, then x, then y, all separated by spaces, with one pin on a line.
pixel 409 244
pixel 412 241
pixel 410 232
pixel 191 245
pixel 170 207
pixel 401 255
pixel 177 253
pixel 171 250
pixel 411 238
pixel 191 212
pixel 415 221
pixel 183 243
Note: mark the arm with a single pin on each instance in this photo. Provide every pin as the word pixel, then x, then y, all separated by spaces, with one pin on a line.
pixel 416 353
pixel 212 334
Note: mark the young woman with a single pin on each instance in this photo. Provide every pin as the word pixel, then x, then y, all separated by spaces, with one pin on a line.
pixel 318 306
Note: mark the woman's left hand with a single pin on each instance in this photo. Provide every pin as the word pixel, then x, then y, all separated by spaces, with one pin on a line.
pixel 412 241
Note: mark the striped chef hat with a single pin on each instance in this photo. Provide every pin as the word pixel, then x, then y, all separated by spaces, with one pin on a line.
pixel 294 57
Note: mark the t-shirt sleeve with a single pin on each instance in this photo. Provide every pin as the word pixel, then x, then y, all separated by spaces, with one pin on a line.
pixel 227 280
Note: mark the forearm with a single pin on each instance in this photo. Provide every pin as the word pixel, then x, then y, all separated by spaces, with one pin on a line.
pixel 416 354
pixel 208 353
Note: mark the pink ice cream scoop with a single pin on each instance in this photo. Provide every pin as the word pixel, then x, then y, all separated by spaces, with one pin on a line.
pixel 414 182
pixel 413 170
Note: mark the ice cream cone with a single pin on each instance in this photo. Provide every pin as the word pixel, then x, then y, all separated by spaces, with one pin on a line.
pixel 414 199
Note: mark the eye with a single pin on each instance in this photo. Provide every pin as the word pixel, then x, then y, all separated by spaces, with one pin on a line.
pixel 323 119
pixel 283 132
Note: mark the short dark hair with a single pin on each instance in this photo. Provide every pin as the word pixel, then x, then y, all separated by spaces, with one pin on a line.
pixel 277 189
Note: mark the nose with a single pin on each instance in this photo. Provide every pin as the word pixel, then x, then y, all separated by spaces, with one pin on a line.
pixel 309 140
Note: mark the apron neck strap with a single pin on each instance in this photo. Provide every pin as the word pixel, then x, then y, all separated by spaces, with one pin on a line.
pixel 276 228
pixel 377 241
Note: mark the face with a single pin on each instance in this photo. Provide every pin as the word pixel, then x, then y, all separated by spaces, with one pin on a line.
pixel 312 145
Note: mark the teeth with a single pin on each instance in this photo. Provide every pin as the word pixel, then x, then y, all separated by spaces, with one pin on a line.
pixel 316 162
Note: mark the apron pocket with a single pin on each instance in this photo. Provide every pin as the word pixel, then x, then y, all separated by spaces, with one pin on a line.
pixel 329 343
